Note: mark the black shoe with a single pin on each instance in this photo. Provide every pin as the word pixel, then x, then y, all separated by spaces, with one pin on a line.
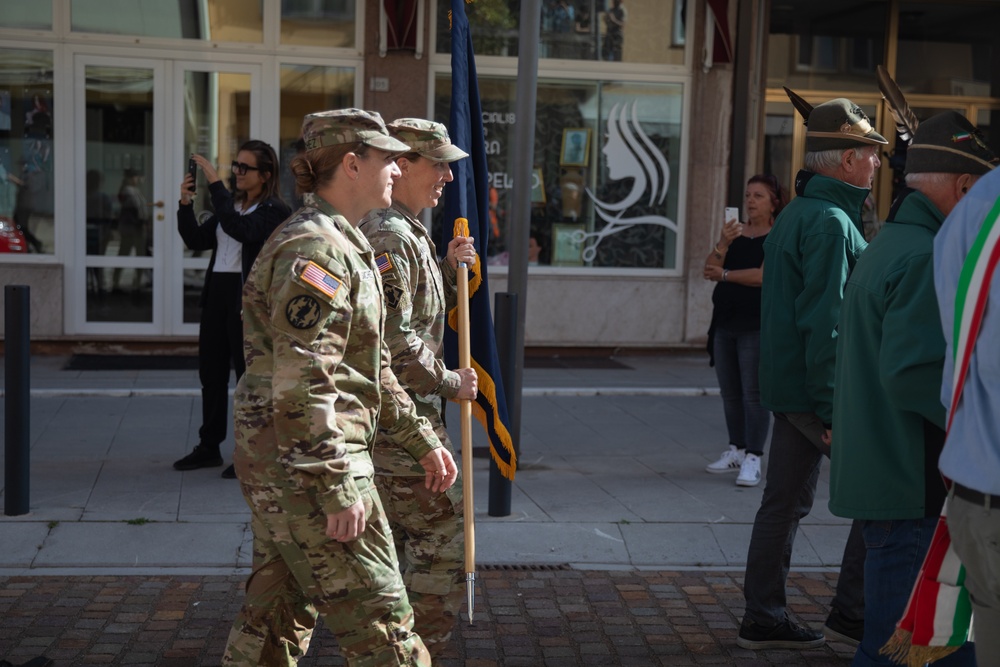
pixel 201 457
pixel 229 473
pixel 839 628
pixel 784 635
pixel 40 661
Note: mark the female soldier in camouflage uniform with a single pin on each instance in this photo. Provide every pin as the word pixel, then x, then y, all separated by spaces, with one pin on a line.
pixel 317 385
pixel 418 291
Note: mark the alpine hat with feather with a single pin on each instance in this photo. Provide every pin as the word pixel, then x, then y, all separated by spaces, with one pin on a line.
pixel 946 143
pixel 839 123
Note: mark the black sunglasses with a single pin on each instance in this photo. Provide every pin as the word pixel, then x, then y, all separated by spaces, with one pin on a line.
pixel 242 168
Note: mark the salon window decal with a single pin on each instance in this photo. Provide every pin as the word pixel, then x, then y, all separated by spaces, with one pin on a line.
pixel 629 153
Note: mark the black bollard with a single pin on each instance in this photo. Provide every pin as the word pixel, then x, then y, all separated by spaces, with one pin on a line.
pixel 505 330
pixel 17 373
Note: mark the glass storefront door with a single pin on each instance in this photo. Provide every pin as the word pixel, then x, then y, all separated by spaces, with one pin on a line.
pixel 133 142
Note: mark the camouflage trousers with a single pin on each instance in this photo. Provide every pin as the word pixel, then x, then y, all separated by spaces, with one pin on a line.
pixel 300 574
pixel 430 542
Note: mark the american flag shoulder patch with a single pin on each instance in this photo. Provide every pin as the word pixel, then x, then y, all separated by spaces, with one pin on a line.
pixel 320 278
pixel 383 263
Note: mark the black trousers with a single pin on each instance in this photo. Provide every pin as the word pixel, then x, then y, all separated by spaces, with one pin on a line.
pixel 220 349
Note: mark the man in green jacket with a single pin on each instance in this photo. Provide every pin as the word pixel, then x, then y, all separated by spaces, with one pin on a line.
pixel 888 420
pixel 814 244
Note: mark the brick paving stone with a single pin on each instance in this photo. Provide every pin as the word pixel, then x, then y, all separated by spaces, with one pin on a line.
pixel 542 618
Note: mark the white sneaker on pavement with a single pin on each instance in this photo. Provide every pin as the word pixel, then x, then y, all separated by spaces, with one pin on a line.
pixel 730 461
pixel 749 471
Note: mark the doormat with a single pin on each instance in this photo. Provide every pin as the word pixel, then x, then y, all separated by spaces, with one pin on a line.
pixel 573 362
pixel 131 362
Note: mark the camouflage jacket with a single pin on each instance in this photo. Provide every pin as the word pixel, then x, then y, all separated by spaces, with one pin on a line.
pixel 419 289
pixel 318 381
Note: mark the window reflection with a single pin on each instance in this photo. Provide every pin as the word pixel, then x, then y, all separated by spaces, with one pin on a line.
pixel 948 48
pixel 638 31
pixel 216 21
pixel 26 14
pixel 304 90
pixel 823 46
pixel 27 194
pixel 327 23
pixel 604 186
pixel 216 123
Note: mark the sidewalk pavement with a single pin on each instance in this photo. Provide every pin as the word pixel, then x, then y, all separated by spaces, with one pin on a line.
pixel 619 548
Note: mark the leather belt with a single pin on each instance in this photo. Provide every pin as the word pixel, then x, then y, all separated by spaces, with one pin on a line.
pixel 977 497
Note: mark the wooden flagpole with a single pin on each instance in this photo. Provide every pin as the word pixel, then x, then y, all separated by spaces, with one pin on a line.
pixel 465 361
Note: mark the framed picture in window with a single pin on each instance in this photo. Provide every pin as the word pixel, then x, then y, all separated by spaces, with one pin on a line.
pixel 575 147
pixel 567 244
pixel 537 186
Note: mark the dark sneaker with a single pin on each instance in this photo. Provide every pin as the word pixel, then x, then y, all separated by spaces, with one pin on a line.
pixel 230 472
pixel 839 628
pixel 784 635
pixel 201 457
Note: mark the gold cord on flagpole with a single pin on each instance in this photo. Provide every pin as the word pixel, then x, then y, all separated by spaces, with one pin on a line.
pixel 465 361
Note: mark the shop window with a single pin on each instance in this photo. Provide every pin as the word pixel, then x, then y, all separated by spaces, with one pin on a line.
pixel 212 21
pixel 28 14
pixel 327 23
pixel 948 48
pixel 637 31
pixel 605 183
pixel 27 193
pixel 304 90
pixel 815 45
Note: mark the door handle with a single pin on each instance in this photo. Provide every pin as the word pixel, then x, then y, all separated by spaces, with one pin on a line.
pixel 157 204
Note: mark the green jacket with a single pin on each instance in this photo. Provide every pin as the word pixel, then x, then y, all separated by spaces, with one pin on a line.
pixel 888 420
pixel 318 381
pixel 813 245
pixel 418 290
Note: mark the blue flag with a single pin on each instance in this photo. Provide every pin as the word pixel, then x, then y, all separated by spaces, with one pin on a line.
pixel 468 197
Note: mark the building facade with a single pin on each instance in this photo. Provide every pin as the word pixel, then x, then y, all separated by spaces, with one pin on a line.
pixel 650 116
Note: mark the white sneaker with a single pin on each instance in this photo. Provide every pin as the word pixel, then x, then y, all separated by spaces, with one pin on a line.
pixel 730 461
pixel 749 471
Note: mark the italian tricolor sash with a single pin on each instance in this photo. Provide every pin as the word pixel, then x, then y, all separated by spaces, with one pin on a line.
pixel 938 617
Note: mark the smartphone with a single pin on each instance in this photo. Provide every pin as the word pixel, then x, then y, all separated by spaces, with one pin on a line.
pixel 732 214
pixel 193 170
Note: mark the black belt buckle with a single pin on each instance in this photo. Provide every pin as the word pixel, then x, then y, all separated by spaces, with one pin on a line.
pixel 977 497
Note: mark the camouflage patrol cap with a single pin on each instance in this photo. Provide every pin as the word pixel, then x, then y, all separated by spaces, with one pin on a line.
pixel 427 138
pixel 348 126
pixel 948 143
pixel 839 123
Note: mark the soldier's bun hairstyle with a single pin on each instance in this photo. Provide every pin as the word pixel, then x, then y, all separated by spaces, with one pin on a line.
pixel 314 169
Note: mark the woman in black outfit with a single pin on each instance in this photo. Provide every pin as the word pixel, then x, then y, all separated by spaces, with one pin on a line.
pixel 234 234
pixel 736 263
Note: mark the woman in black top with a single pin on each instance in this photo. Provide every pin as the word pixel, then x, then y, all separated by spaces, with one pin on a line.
pixel 234 234
pixel 736 263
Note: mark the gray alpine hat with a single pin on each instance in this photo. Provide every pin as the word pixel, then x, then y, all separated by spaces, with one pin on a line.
pixel 839 123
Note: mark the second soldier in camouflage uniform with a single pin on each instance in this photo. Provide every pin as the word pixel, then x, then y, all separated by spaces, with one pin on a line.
pixel 419 289
pixel 317 385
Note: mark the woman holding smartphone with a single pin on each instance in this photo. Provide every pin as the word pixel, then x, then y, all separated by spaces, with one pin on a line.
pixel 736 263
pixel 235 233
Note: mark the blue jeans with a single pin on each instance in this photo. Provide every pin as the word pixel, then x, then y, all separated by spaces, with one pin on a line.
pixel 737 358
pixel 792 472
pixel 895 552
